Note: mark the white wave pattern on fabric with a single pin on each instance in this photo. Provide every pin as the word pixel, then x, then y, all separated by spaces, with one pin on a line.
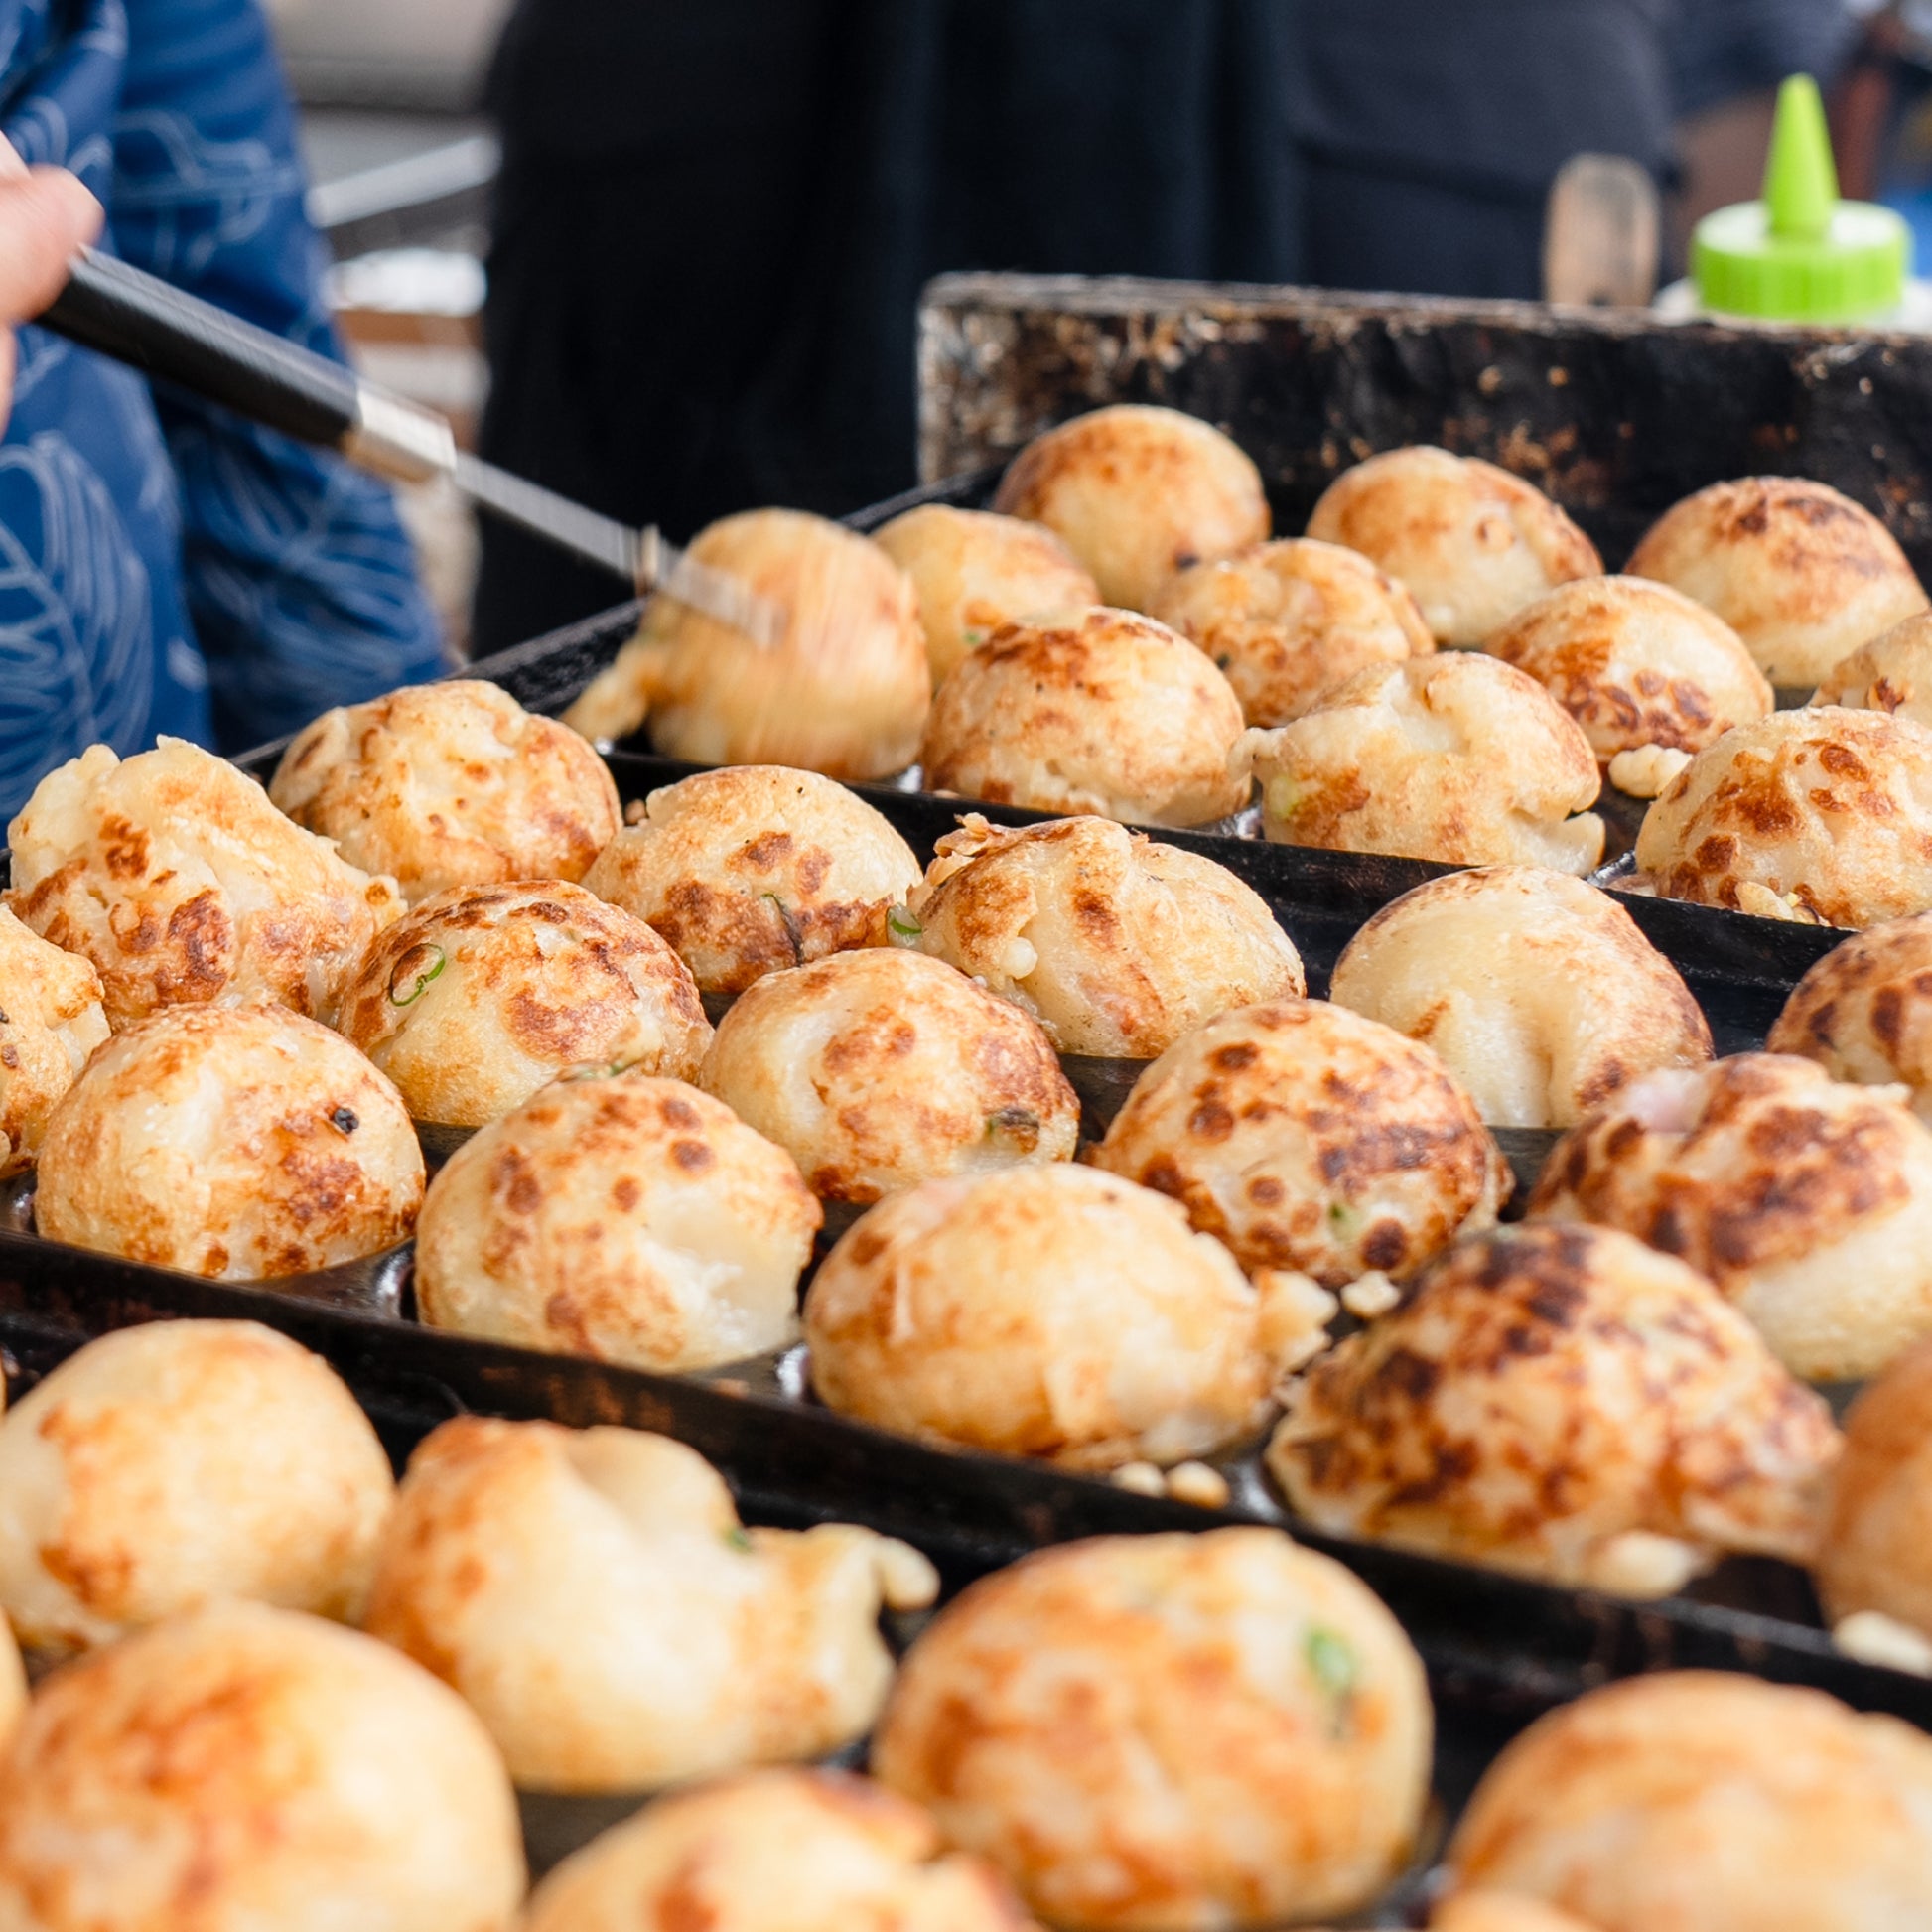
pixel 75 609
pixel 201 195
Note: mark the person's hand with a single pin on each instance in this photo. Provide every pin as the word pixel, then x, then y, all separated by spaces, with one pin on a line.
pixel 45 216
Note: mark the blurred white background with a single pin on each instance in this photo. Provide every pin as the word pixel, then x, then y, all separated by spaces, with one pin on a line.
pixel 388 52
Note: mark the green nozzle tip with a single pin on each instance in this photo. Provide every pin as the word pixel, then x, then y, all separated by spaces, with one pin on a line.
pixel 1800 178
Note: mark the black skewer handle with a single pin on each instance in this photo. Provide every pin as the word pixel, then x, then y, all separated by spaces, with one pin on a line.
pixel 142 321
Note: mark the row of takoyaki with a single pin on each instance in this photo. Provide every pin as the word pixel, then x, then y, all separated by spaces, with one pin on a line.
pixel 1149 1733
pixel 1098 642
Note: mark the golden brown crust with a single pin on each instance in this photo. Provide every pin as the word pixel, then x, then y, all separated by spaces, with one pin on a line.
pixel 879 1070
pixel 809 1851
pixel 975 573
pixel 1802 574
pixel 1805 1201
pixel 757 867
pixel 1709 1801
pixel 1828 809
pixel 592 1596
pixel 50 1020
pixel 1537 989
pixel 1052 1311
pixel 1115 943
pixel 176 877
pixel 843 691
pixel 1877 1550
pixel 450 784
pixel 1095 711
pixel 1635 663
pixel 244 1766
pixel 1545 1394
pixel 1307 1138
pixel 169 1464
pixel 1290 621
pixel 1219 1730
pixel 1138 493
pixel 1495 1911
pixel 240 1142
pixel 628 1218
pixel 1892 673
pixel 1473 543
pixel 483 994
pixel 1864 1012
pixel 1456 757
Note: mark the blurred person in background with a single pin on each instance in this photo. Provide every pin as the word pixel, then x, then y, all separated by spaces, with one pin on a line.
pixel 164 567
pixel 713 220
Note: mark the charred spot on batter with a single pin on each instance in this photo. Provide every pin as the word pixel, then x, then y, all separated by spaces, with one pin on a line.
pixel 692 1156
pixel 1385 1245
pixel 513 1177
pixel 1210 1120
pixel 1266 1191
pixel 1821 1022
pixel 127 848
pixel 1717 852
pixel 675 1112
pixel 625 1194
pixel 768 849
pixel 201 932
pixel 1887 1017
pixel 1842 761
pixel 1237 1055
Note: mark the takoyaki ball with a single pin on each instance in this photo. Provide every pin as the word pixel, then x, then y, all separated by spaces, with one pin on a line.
pixel 757 867
pixel 450 784
pixel 1472 543
pixel 1305 1137
pixel 1635 663
pixel 1138 493
pixel 50 1020
pixel 167 1466
pixel 1565 1402
pixel 484 993
pixel 1290 621
pixel 1456 757
pixel 1822 815
pixel 1538 991
pixel 975 573
pixel 245 1767
pixel 184 886
pixel 1049 1312
pixel 843 689
pixel 1893 672
pixel 1807 1201
pixel 1878 1547
pixel 239 1143
pixel 628 1218
pixel 1115 943
pixel 1709 1801
pixel 595 1600
pixel 1803 575
pixel 775 1851
pixel 1159 1731
pixel 876 1070
pixel 1090 711
pixel 1864 1012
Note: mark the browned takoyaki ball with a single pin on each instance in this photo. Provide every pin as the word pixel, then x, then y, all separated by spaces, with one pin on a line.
pixel 976 573
pixel 239 1143
pixel 50 1020
pixel 1802 574
pixel 1138 493
pixel 1807 1201
pixel 1709 1801
pixel 484 993
pixel 1090 711
pixel 172 873
pixel 1635 663
pixel 1291 619
pixel 1308 1138
pixel 1565 1402
pixel 755 867
pixel 1456 757
pixel 1538 991
pixel 1473 543
pixel 1864 1012
pixel 1893 673
pixel 450 784
pixel 1823 815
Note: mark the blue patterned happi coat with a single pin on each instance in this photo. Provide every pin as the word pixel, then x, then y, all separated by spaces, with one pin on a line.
pixel 164 567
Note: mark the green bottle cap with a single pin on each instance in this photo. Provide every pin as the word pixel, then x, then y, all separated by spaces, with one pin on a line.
pixel 1801 255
